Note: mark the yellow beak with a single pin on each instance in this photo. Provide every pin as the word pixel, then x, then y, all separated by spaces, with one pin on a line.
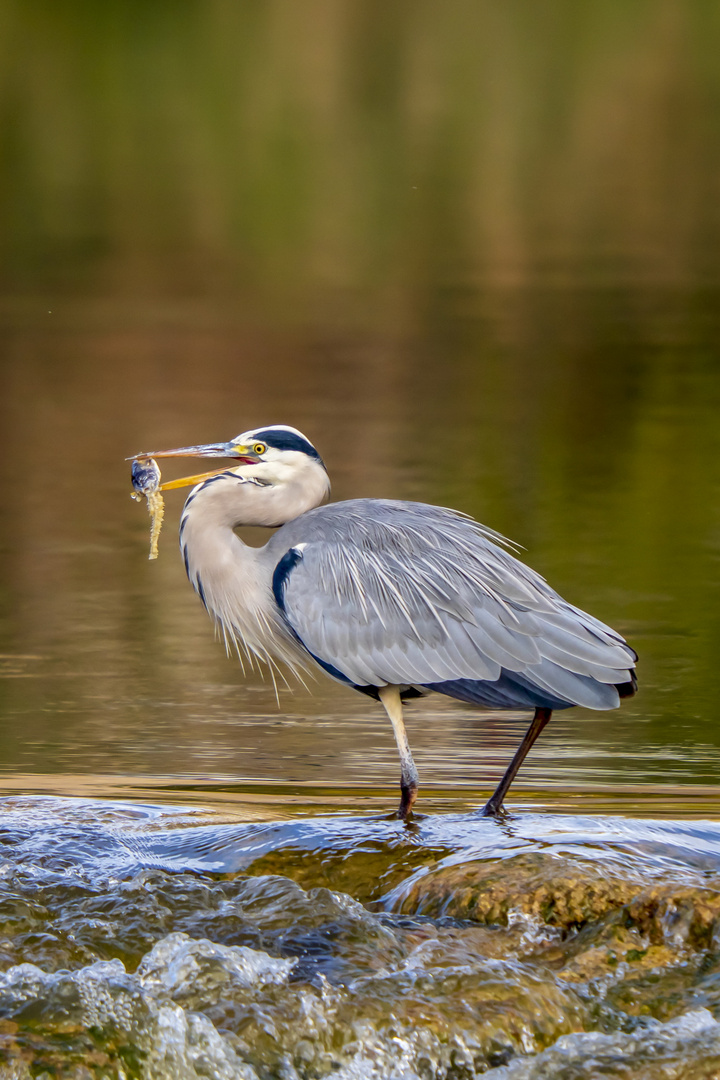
pixel 190 481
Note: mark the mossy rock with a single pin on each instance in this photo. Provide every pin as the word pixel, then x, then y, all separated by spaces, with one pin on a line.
pixel 534 886
pixel 668 916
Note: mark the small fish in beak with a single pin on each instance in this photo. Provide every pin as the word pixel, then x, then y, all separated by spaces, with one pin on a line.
pixel 146 482
pixel 146 476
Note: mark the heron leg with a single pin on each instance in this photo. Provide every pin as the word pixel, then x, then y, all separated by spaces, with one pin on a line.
pixel 390 697
pixel 494 804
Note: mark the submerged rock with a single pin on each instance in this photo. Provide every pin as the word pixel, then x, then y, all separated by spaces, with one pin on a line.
pixel 541 887
pixel 684 1049
pixel 567 895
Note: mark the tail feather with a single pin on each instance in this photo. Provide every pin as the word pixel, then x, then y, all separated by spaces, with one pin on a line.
pixel 627 689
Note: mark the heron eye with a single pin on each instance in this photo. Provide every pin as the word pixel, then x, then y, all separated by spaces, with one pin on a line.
pixel 259 448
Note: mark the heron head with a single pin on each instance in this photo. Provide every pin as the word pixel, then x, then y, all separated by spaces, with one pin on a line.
pixel 284 465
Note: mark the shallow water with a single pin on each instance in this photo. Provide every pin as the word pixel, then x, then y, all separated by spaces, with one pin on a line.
pixel 139 940
pixel 472 250
pixel 446 248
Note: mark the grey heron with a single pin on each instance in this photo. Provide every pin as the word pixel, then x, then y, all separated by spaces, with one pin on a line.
pixel 392 598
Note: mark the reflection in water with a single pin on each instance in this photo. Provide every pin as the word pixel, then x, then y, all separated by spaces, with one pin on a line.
pixel 473 255
pixel 397 150
pixel 108 665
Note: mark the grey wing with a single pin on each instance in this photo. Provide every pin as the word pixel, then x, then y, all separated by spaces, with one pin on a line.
pixel 404 593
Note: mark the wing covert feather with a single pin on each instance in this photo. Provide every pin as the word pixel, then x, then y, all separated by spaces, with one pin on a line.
pixel 391 592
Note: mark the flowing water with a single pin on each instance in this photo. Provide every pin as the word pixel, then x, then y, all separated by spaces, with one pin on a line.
pixel 148 942
pixel 471 250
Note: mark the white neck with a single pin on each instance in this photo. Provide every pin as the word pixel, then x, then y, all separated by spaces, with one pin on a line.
pixel 235 581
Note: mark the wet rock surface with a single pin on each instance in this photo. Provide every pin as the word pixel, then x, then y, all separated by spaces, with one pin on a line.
pixel 134 943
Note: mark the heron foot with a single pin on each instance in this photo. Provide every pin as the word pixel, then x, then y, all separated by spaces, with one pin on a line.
pixel 408 797
pixel 494 809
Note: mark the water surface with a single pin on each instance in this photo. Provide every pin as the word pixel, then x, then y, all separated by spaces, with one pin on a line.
pixel 473 254
pixel 606 472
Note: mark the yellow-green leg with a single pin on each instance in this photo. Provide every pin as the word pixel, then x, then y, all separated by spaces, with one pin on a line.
pixel 390 697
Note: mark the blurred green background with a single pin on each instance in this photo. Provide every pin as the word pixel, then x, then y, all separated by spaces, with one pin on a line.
pixel 472 249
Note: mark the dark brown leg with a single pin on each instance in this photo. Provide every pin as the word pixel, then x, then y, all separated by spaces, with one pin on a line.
pixel 408 795
pixel 494 803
